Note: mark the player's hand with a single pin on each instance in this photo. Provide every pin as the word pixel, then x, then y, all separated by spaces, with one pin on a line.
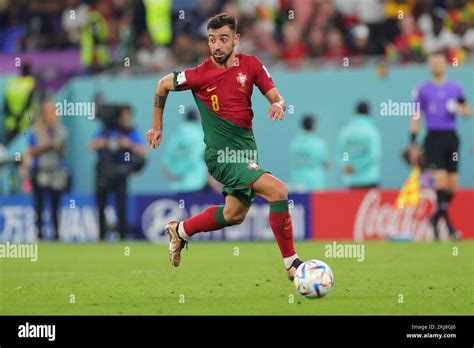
pixel 124 142
pixel 98 144
pixel 154 137
pixel 275 112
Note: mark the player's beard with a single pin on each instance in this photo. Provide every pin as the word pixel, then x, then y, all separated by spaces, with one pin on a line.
pixel 223 60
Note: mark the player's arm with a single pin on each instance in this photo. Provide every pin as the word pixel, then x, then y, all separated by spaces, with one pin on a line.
pixel 413 150
pixel 418 99
pixel 464 109
pixel 164 86
pixel 98 143
pixel 278 104
pixel 414 127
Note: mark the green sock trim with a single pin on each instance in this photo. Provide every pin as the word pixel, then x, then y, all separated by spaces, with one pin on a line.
pixel 220 217
pixel 279 207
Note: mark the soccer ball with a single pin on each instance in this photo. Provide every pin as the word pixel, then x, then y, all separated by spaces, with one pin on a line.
pixel 314 279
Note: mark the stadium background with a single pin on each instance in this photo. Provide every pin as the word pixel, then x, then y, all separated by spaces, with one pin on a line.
pixel 313 77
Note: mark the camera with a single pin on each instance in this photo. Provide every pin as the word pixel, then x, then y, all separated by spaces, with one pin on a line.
pixel 109 114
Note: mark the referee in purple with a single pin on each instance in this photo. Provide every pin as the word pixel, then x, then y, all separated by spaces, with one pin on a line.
pixel 441 102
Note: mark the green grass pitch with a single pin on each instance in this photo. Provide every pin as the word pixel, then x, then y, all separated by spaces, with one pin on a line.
pixel 430 278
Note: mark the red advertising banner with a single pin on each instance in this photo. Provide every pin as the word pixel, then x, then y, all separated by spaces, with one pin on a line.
pixel 371 215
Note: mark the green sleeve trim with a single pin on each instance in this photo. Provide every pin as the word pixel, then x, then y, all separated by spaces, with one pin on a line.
pixel 175 80
pixel 279 207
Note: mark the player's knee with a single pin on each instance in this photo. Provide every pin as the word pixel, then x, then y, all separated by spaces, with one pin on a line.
pixel 279 193
pixel 234 218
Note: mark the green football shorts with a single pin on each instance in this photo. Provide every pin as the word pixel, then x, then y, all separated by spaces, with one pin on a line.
pixel 237 178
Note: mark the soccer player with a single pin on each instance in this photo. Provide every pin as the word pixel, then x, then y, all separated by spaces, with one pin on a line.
pixel 222 88
pixel 440 100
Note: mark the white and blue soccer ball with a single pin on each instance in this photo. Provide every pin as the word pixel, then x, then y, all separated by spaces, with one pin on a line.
pixel 314 279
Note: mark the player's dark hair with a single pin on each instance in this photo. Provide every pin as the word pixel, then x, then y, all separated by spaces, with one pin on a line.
pixel 363 108
pixel 123 109
pixel 308 122
pixel 444 53
pixel 221 20
pixel 126 108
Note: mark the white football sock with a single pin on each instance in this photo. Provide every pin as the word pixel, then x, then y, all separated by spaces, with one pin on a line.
pixel 289 260
pixel 182 232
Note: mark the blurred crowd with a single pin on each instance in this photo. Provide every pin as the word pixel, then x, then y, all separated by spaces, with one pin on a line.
pixel 159 34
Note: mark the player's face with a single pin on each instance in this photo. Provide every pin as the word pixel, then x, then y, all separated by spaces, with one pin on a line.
pixel 125 118
pixel 437 64
pixel 222 42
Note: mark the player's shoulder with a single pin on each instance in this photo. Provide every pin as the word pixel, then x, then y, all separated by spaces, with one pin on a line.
pixel 424 85
pixel 453 84
pixel 422 89
pixel 248 58
pixel 204 65
pixel 320 141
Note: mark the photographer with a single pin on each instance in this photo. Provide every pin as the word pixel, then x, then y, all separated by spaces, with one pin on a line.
pixel 121 152
pixel 49 175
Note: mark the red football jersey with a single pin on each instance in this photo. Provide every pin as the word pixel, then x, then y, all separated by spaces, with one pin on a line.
pixel 227 91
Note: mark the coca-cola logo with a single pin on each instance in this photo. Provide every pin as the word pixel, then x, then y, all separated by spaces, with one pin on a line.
pixel 377 220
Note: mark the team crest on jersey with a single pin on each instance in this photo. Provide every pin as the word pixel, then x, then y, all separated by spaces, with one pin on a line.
pixel 252 165
pixel 181 78
pixel 242 79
